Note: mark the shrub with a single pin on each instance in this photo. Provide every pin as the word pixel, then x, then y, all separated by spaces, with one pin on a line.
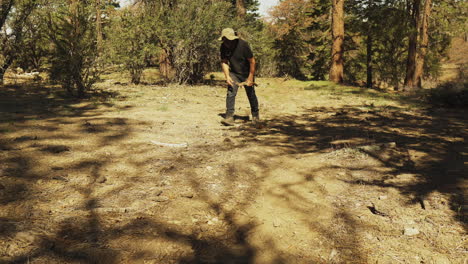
pixel 130 42
pixel 187 32
pixel 74 59
pixel 449 94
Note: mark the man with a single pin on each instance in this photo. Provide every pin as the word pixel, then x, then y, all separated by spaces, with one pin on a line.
pixel 238 66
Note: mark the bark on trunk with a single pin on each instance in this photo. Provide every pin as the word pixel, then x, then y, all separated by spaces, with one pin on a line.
pixel 165 66
pixel 2 75
pixel 369 60
pixel 98 26
pixel 4 68
pixel 5 8
pixel 241 10
pixel 336 69
pixel 419 71
pixel 412 46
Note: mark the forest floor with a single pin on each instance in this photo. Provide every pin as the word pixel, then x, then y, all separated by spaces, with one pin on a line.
pixel 147 174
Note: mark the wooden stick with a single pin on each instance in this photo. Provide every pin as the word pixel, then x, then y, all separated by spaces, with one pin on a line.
pixel 245 84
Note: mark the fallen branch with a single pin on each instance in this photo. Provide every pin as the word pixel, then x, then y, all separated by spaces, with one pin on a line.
pixel 181 145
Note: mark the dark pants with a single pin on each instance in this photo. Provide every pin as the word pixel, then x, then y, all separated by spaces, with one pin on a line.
pixel 232 92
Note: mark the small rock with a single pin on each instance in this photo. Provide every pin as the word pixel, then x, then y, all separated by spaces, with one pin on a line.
pixel 161 199
pixel 333 254
pixel 56 149
pixel 57 168
pixel 440 260
pixel 101 179
pixel 60 178
pixel 209 167
pixel 410 231
pixel 213 221
pixel 369 236
pixel 187 195
pixel 383 197
pixel 376 211
pixel 6 148
pixel 227 140
pixel 25 138
pixel 25 237
pixel 276 223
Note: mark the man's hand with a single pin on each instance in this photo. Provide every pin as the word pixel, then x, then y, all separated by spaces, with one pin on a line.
pixel 225 67
pixel 249 81
pixel 229 80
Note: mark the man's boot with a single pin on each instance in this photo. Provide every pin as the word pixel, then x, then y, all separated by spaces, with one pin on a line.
pixel 255 117
pixel 228 120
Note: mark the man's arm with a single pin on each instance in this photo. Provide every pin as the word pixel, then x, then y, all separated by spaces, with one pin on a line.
pixel 250 79
pixel 225 67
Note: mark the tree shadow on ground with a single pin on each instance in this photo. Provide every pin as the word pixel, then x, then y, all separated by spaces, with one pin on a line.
pixel 87 236
pixel 81 238
pixel 431 144
pixel 91 234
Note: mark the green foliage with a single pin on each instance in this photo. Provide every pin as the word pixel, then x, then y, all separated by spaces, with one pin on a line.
pixel 35 42
pixel 188 31
pixel 390 38
pixel 74 62
pixel 290 24
pixel 130 42
pixel 261 41
pixel 390 45
pixel 449 94
pixel 13 17
pixel 320 40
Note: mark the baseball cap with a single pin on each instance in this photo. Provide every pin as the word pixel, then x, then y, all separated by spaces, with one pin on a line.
pixel 229 34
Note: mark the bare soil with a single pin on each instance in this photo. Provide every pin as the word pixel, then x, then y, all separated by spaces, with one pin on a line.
pixel 147 174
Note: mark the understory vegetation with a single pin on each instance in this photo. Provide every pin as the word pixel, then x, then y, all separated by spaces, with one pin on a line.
pixel 342 41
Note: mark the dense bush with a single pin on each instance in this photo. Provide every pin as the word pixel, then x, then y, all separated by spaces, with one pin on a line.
pixel 449 94
pixel 187 33
pixel 130 43
pixel 74 60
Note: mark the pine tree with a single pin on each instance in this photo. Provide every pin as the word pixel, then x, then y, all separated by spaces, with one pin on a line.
pixel 337 53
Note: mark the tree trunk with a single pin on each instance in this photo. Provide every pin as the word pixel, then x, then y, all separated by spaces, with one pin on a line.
pixel 2 75
pixel 98 26
pixel 165 66
pixel 6 64
pixel 418 74
pixel 336 69
pixel 241 10
pixel 369 60
pixel 5 8
pixel 412 46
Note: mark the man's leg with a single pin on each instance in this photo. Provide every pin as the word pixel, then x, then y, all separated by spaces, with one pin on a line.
pixel 231 101
pixel 250 90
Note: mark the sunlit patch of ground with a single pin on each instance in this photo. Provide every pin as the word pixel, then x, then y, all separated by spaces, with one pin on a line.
pixel 147 174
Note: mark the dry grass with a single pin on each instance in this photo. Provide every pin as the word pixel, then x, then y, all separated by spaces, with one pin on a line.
pixel 82 182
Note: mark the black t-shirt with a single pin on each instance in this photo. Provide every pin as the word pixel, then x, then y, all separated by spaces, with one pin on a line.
pixel 237 57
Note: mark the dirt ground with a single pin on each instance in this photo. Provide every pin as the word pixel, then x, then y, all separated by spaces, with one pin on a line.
pixel 147 174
